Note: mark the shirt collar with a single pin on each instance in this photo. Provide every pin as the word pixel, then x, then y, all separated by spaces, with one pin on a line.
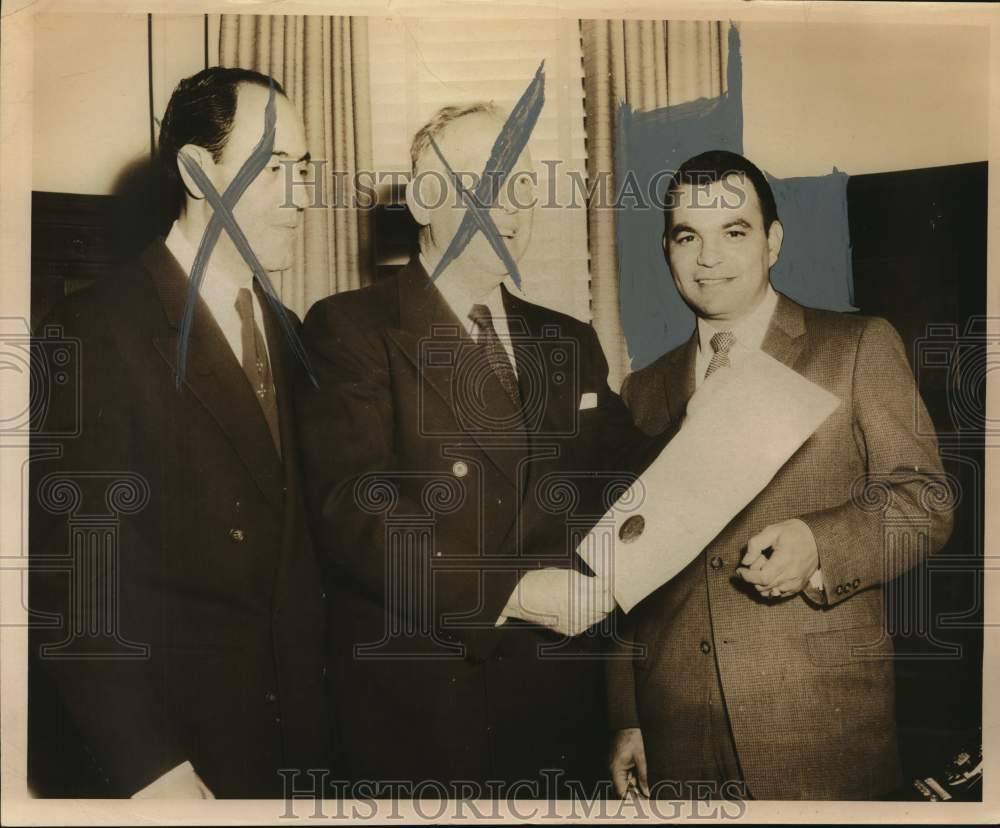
pixel 216 280
pixel 749 331
pixel 460 299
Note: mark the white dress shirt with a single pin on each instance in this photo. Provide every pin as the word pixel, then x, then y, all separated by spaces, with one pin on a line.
pixel 749 333
pixel 460 299
pixel 219 289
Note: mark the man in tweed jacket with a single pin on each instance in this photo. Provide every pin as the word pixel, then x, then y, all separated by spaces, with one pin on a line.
pixel 764 668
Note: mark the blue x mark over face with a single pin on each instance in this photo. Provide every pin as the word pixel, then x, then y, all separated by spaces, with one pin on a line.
pixel 508 147
pixel 223 219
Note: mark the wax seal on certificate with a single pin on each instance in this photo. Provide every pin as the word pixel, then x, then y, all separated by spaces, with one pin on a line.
pixel 632 528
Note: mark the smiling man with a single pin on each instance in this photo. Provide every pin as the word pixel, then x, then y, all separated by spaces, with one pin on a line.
pixel 210 681
pixel 451 423
pixel 765 670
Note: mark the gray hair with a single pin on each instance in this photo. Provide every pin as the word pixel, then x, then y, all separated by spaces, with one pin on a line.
pixel 444 116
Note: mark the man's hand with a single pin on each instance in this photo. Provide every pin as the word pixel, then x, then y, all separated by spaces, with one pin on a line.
pixel 182 782
pixel 793 559
pixel 563 600
pixel 628 760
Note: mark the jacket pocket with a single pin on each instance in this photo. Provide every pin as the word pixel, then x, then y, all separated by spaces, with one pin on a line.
pixel 849 646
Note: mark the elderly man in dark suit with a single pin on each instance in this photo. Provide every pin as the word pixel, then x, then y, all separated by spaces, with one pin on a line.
pixel 455 443
pixel 188 653
pixel 763 668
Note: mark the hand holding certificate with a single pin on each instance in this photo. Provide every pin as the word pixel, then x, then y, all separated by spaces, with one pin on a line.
pixel 741 427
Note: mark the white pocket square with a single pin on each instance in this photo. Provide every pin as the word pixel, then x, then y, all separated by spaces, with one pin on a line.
pixel 588 400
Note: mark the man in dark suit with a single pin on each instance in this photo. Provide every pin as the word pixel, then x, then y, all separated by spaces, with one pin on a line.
pixel 183 650
pixel 455 442
pixel 764 668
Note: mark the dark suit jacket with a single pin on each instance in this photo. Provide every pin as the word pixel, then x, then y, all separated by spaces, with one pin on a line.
pixel 429 515
pixel 808 685
pixel 216 574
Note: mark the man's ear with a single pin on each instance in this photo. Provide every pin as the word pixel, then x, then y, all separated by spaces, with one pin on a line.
pixel 203 158
pixel 416 199
pixel 775 235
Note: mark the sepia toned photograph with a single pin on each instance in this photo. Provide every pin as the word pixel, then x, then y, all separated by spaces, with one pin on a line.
pixel 461 412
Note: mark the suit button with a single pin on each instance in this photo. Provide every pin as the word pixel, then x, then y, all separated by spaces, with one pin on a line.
pixel 271 697
pixel 237 535
pixel 705 647
pixel 840 589
pixel 716 562
pixel 857 583
pixel 459 468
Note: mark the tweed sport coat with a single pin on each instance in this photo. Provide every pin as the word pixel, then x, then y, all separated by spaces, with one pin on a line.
pixel 808 681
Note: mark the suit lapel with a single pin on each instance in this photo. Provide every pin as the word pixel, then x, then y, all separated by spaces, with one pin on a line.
pixel 436 342
pixel 678 377
pixel 547 367
pixel 429 334
pixel 283 366
pixel 214 376
pixel 784 339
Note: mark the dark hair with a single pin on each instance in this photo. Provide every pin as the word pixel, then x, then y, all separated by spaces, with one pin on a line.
pixel 715 165
pixel 201 112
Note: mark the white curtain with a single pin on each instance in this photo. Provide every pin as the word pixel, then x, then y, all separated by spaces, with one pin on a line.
pixel 322 62
pixel 647 64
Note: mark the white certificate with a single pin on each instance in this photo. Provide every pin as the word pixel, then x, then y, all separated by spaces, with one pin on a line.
pixel 741 426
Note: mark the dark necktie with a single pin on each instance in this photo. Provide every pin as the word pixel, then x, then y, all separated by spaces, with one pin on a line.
pixel 256 365
pixel 495 352
pixel 721 343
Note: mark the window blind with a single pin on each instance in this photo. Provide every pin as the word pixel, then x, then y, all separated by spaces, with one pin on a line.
pixel 418 66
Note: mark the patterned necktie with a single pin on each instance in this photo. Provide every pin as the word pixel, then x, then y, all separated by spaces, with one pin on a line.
pixel 495 352
pixel 256 365
pixel 721 343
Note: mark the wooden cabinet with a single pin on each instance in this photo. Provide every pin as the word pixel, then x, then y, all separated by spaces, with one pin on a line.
pixel 73 242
